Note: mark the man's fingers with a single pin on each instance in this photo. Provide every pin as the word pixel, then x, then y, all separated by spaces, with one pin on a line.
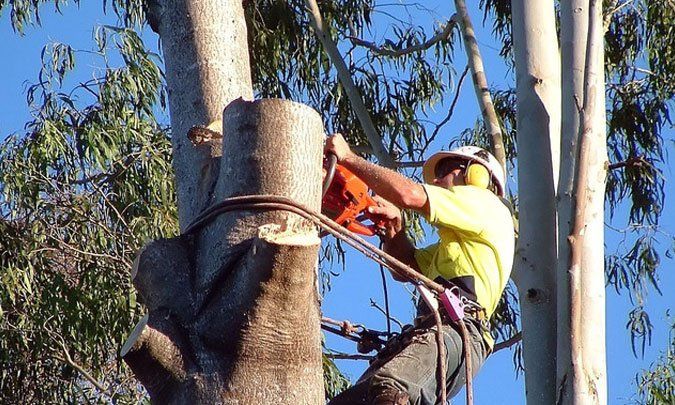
pixel 336 145
pixel 377 198
pixel 387 212
pixel 376 210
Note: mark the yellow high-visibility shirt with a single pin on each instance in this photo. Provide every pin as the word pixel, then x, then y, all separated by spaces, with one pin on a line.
pixel 476 242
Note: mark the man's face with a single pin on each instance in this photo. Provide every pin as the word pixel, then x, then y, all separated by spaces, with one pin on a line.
pixel 449 172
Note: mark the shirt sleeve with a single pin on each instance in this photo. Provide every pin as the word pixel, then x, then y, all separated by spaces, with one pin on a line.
pixel 457 208
pixel 424 257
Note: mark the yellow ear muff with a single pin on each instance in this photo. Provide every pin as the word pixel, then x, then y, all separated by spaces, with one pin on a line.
pixel 477 175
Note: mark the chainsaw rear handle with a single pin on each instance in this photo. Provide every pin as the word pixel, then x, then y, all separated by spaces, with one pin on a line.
pixel 330 173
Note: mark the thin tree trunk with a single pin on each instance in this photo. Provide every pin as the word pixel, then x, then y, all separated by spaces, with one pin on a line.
pixel 581 369
pixel 345 77
pixel 480 84
pixel 538 121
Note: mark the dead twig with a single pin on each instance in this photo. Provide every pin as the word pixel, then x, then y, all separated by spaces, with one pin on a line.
pixel 376 306
pixel 441 35
pixel 508 342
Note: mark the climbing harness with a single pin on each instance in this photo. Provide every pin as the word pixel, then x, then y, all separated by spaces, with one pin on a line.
pixel 450 301
pixel 367 340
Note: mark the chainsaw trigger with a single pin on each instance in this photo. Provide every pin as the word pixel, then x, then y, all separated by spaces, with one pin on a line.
pixel 360 228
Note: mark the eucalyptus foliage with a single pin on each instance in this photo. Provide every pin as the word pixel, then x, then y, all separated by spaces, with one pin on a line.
pixel 84 188
pixel 657 384
pixel 640 65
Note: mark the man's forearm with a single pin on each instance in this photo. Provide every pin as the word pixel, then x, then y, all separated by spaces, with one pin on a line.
pixel 392 186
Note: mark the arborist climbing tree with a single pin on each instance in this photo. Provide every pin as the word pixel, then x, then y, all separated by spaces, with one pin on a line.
pixel 464 202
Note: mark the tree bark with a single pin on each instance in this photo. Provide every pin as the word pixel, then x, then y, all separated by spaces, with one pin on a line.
pixel 538 139
pixel 234 309
pixel 581 368
pixel 205 49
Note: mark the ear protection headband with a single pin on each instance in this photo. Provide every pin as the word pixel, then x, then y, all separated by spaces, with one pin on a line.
pixel 477 175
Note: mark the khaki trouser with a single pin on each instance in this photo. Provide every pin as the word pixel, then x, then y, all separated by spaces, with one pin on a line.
pixel 409 363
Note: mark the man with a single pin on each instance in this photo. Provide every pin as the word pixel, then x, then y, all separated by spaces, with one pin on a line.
pixel 464 201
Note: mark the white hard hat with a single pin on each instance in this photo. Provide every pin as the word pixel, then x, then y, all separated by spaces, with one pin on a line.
pixel 469 154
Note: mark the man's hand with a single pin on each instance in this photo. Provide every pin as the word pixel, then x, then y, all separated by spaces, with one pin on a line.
pixel 387 214
pixel 337 145
pixel 396 242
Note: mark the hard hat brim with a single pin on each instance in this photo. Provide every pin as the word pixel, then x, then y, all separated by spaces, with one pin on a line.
pixel 429 167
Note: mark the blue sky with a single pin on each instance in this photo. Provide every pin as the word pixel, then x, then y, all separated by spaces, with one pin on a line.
pixel 352 290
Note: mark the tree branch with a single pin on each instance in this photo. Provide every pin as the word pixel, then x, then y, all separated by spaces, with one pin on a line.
pixel 352 91
pixel 67 359
pixel 637 161
pixel 451 111
pixel 480 84
pixel 410 164
pixel 508 342
pixel 613 8
pixel 343 356
pixel 108 176
pixel 442 35
pixel 120 259
pixel 374 304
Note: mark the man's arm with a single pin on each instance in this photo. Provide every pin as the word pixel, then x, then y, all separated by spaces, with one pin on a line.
pixel 395 240
pixel 392 186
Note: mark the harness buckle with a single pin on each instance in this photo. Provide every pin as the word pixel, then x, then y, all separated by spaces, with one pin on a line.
pixel 452 303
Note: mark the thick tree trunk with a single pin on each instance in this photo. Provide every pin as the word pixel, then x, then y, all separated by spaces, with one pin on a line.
pixel 538 120
pixel 234 310
pixel 581 369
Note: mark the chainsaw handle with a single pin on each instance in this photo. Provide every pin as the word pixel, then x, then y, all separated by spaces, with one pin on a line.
pixel 330 173
pixel 358 227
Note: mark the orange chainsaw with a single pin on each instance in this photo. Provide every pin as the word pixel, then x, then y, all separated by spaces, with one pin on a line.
pixel 346 199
